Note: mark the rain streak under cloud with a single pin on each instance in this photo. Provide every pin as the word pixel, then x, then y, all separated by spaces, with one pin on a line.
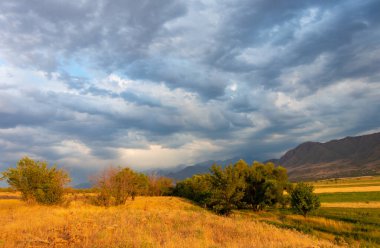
pixel 149 84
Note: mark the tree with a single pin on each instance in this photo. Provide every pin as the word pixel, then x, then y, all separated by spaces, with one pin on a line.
pixel 116 185
pixel 303 200
pixel 197 188
pixel 159 185
pixel 227 189
pixel 265 185
pixel 36 181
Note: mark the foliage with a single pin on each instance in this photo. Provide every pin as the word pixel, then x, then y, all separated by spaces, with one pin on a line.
pixel 159 185
pixel 265 185
pixel 116 185
pixel 303 200
pixel 227 189
pixel 237 186
pixel 36 181
pixel 197 188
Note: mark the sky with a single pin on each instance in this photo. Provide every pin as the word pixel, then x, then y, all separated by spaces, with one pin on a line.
pixel 150 84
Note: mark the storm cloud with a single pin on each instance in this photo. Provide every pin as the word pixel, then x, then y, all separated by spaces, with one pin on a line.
pixel 160 83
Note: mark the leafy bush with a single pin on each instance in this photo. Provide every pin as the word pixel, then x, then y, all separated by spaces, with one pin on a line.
pixel 36 181
pixel 227 189
pixel 116 185
pixel 197 188
pixel 303 200
pixel 236 186
pixel 159 185
pixel 265 185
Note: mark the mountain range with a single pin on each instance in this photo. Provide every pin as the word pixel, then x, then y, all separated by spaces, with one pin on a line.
pixel 347 157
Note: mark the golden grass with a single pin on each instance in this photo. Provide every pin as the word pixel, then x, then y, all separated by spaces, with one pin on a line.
pixel 350 180
pixel 10 195
pixel 347 189
pixel 357 184
pixel 351 204
pixel 145 222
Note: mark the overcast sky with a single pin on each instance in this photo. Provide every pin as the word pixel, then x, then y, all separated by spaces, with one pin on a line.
pixel 158 83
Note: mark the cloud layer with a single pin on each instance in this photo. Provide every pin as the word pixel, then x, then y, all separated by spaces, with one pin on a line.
pixel 159 83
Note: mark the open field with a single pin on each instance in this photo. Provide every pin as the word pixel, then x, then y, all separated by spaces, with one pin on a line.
pixel 348 217
pixel 361 192
pixel 345 226
pixel 348 188
pixel 350 212
pixel 351 204
pixel 350 197
pixel 145 222
pixel 344 182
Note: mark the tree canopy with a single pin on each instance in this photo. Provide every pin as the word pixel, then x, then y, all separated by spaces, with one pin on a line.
pixel 36 181
pixel 303 200
pixel 236 186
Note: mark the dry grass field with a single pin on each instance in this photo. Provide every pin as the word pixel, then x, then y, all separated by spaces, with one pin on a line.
pixel 349 217
pixel 348 188
pixel 351 204
pixel 145 222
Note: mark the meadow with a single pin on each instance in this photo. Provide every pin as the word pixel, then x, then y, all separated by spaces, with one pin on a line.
pixel 349 215
pixel 144 222
pixel 348 218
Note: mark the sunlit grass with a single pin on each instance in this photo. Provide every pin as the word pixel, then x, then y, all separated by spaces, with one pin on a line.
pixel 145 222
pixel 347 189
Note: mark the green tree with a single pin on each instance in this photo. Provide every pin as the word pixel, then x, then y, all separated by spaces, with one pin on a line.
pixel 227 189
pixel 197 188
pixel 303 200
pixel 36 181
pixel 265 185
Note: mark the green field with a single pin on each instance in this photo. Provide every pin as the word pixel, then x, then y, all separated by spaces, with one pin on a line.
pixel 349 197
pixel 373 180
pixel 352 227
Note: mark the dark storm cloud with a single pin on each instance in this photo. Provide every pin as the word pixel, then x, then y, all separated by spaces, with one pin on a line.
pixel 344 29
pixel 88 80
pixel 111 32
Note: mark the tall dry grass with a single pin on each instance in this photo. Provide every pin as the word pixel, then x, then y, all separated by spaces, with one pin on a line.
pixel 145 222
pixel 333 189
pixel 351 204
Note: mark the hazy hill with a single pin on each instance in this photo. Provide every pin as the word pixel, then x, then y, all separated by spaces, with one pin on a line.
pixel 351 156
pixel 199 168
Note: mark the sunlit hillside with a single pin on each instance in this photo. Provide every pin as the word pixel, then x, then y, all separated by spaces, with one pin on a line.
pixel 145 222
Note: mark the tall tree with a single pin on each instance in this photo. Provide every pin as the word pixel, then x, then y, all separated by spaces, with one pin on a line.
pixel 227 188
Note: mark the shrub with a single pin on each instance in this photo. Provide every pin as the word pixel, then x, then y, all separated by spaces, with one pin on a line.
pixel 197 188
pixel 36 181
pixel 303 200
pixel 116 185
pixel 159 185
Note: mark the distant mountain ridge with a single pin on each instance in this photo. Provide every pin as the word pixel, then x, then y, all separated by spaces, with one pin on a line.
pixel 199 168
pixel 350 156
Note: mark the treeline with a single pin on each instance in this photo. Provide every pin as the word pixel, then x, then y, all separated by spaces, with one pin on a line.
pixel 40 183
pixel 116 185
pixel 237 186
